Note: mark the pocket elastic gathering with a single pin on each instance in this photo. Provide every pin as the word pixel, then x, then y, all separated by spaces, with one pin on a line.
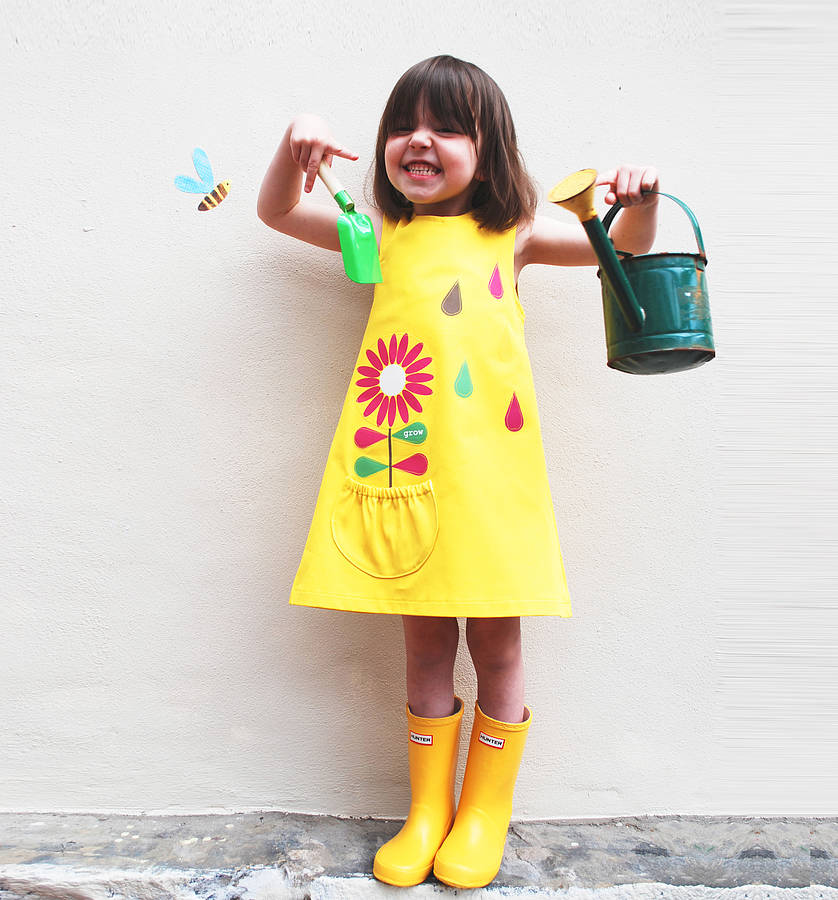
pixel 386 532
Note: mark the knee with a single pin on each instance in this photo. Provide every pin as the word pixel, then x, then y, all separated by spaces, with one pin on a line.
pixel 433 645
pixel 431 655
pixel 494 644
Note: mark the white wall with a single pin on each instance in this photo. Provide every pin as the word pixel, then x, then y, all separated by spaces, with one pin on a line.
pixel 170 381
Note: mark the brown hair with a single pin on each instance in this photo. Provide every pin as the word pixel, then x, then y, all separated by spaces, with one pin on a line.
pixel 461 96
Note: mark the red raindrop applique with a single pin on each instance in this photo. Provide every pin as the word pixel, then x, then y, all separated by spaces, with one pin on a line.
pixel 514 417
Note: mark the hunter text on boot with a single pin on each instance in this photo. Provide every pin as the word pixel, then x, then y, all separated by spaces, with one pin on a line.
pixel 490 741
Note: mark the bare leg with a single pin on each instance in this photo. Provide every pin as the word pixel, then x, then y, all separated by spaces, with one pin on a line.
pixel 495 647
pixel 431 648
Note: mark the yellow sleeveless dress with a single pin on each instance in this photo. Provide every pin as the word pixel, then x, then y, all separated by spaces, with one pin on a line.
pixel 435 499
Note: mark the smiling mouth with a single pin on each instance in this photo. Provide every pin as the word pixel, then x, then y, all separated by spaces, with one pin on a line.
pixel 421 170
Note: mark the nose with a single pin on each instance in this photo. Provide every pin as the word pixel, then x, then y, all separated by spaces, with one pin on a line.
pixel 421 137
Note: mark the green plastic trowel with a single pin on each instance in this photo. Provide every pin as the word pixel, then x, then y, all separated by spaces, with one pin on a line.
pixel 357 239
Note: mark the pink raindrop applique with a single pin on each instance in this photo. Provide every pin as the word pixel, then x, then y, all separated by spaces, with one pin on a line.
pixel 496 285
pixel 514 417
pixel 452 305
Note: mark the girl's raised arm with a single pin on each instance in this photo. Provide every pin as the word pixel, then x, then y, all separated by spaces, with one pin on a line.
pixel 305 143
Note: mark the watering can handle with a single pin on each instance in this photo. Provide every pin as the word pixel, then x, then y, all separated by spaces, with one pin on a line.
pixel 609 218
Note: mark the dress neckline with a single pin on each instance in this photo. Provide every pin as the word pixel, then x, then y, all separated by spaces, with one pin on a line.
pixel 458 218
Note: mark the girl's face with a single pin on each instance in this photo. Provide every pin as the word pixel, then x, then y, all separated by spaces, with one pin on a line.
pixel 433 167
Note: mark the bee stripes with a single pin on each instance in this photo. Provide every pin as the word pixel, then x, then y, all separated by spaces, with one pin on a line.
pixel 215 197
pixel 203 183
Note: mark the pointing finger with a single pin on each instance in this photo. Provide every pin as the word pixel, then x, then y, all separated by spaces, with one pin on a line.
pixel 340 151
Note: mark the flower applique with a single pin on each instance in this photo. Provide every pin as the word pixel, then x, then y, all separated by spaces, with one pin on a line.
pixel 393 383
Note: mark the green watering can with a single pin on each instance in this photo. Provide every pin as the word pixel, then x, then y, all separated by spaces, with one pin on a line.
pixel 657 314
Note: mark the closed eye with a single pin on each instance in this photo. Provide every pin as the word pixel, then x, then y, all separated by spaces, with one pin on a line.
pixel 446 128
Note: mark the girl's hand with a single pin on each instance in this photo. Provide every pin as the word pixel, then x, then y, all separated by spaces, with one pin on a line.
pixel 311 142
pixel 628 183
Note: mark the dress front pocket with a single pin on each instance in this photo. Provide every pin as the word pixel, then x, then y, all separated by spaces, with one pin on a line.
pixel 386 532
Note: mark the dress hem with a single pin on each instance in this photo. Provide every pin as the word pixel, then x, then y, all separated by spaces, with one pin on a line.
pixel 446 608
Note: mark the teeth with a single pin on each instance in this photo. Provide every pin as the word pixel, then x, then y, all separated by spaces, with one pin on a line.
pixel 418 169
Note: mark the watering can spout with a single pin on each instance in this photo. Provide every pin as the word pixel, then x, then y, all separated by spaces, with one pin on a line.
pixel 576 193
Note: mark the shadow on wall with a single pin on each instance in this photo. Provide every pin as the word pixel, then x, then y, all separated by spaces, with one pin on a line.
pixel 346 669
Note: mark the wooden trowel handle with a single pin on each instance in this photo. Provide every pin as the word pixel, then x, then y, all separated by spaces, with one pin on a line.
pixel 329 179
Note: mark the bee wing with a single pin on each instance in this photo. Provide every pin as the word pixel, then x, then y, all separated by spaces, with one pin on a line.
pixel 203 168
pixel 189 185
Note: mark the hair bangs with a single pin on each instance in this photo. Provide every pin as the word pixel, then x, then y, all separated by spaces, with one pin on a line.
pixel 444 91
pixel 449 96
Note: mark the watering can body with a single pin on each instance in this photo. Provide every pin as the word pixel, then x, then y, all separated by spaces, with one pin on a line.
pixel 675 332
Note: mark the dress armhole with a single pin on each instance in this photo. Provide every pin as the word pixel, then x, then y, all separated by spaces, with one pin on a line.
pixel 512 234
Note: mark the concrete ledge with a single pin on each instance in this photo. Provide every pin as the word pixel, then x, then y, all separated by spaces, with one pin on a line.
pixel 274 856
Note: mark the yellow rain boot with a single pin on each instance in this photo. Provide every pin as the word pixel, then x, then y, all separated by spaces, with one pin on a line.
pixel 408 858
pixel 472 852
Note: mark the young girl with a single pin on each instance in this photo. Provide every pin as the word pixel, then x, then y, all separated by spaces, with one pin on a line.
pixel 435 502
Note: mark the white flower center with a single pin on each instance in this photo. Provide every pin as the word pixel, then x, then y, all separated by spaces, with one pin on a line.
pixel 392 380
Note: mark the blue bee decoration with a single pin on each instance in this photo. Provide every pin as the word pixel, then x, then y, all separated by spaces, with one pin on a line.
pixel 214 195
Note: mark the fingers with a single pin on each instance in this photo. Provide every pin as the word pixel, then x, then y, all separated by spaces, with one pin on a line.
pixel 630 184
pixel 621 185
pixel 609 178
pixel 649 179
pixel 311 170
pixel 316 156
pixel 309 152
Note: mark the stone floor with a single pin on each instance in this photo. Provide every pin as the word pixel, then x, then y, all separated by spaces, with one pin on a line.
pixel 272 856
